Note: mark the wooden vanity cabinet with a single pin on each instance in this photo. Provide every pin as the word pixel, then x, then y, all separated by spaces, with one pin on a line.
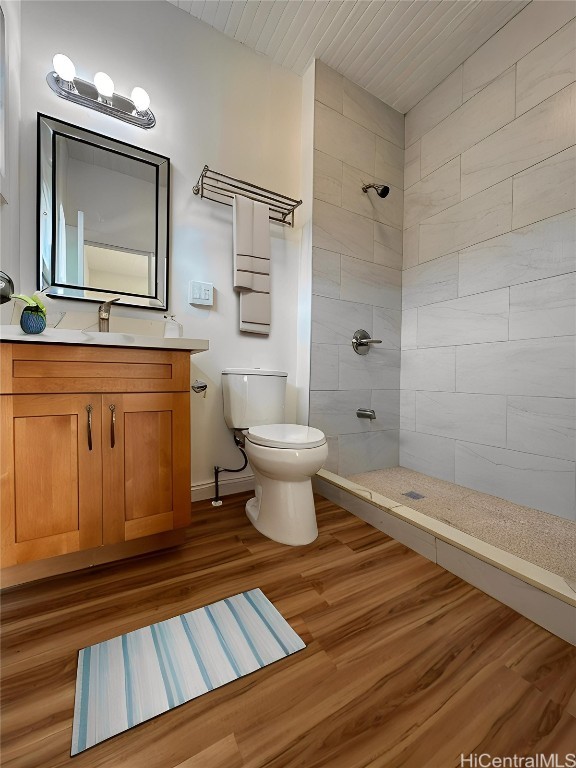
pixel 95 448
pixel 145 464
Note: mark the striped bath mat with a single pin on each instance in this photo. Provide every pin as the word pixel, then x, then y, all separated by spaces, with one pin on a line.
pixel 124 681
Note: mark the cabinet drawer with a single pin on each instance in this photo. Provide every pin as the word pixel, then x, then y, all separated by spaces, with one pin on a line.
pixel 37 368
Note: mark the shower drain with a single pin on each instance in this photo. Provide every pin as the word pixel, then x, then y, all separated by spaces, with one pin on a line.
pixel 413 495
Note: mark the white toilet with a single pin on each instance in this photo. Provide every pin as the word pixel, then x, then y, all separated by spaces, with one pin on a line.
pixel 283 456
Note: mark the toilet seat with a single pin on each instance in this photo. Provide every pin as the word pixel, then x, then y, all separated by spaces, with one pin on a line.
pixel 295 436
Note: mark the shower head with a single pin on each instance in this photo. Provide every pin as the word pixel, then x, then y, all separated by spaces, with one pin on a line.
pixel 381 189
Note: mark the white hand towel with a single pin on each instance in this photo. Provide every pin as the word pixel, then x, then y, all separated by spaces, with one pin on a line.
pixel 255 312
pixel 261 231
pixel 251 243
pixel 242 225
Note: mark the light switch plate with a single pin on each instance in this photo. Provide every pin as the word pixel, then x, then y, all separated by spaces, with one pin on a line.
pixel 200 293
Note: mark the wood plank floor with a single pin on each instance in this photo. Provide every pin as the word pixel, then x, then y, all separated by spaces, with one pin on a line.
pixel 406 665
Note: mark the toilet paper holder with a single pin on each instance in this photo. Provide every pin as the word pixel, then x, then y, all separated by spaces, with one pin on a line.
pixel 199 386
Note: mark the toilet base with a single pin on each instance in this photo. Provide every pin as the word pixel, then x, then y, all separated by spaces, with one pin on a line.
pixel 296 523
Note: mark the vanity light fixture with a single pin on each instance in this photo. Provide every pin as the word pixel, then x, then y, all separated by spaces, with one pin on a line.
pixel 99 95
pixel 105 87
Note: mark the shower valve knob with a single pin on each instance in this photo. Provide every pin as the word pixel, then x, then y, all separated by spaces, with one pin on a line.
pixel 361 342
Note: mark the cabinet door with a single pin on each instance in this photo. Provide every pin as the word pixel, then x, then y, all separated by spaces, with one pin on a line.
pixel 51 475
pixel 146 464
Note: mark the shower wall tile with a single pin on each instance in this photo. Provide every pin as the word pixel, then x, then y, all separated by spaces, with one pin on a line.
pixel 373 114
pixel 540 250
pixel 353 199
pixel 555 56
pixel 329 86
pixel 535 481
pixel 389 168
pixel 327 178
pixel 522 143
pixel 386 256
pixel 435 193
pixel 369 283
pixel 543 425
pixel 386 405
pixel 325 273
pixel 477 118
pixel 379 369
pixel 538 367
pixel 343 138
pixel 367 451
pixel 386 326
pixel 409 329
pixel 545 190
pixel 335 412
pixel 390 237
pixel 521 35
pixel 408 409
pixel 324 366
pixel 429 454
pixel 476 418
pixel 543 308
pixel 486 215
pixel 389 211
pixel 342 231
pixel 429 369
pixel 357 273
pixel 434 107
pixel 411 245
pixel 467 320
pixel 432 281
pixel 331 463
pixel 334 321
pixel 488 361
pixel 411 165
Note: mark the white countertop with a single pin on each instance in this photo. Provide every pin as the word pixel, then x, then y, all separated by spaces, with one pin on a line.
pixel 97 339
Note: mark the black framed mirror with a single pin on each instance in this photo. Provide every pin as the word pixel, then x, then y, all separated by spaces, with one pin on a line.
pixel 103 217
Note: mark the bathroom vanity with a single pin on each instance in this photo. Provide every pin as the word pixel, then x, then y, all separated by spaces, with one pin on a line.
pixel 95 448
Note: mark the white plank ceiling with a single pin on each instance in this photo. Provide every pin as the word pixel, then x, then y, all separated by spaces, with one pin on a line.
pixel 399 50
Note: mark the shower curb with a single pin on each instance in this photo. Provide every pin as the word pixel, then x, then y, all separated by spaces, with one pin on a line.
pixel 540 595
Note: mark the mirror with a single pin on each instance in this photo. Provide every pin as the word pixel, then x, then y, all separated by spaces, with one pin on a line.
pixel 103 209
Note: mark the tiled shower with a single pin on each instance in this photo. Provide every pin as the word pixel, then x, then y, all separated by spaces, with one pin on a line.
pixel 475 379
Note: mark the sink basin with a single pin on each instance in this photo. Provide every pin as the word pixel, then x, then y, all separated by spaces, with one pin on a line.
pixel 14 333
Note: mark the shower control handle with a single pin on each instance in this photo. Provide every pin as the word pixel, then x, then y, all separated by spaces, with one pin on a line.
pixel 361 342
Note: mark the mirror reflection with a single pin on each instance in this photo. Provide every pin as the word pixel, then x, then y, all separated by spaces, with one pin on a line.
pixel 103 208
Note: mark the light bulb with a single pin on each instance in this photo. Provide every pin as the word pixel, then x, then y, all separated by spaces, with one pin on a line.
pixel 104 84
pixel 64 67
pixel 141 99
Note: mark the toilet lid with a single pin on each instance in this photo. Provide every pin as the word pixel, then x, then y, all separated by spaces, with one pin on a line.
pixel 286 436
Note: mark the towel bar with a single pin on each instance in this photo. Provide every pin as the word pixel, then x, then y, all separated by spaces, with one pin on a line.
pixel 214 186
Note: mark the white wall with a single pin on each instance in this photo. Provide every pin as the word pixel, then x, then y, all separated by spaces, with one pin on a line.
pixel 9 182
pixel 489 281
pixel 216 103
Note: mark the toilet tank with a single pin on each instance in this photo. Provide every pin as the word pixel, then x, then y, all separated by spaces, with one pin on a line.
pixel 253 396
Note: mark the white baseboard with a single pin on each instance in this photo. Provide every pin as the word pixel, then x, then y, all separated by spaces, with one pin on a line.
pixel 202 491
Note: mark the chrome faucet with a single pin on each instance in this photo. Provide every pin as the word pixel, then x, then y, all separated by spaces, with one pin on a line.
pixel 104 314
